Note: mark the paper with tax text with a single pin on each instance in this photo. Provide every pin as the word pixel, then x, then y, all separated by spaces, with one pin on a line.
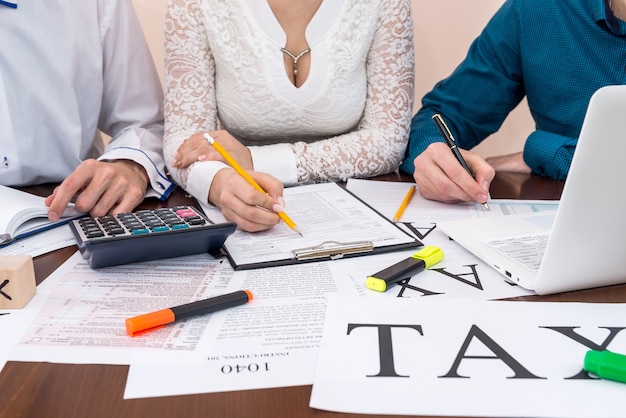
pixel 270 342
pixel 467 358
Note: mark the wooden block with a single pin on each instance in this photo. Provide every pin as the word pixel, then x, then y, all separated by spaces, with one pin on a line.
pixel 17 281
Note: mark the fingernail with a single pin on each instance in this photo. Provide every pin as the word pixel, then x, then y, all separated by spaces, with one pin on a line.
pixel 278 208
pixel 481 198
pixel 485 185
pixel 281 201
pixel 53 216
pixel 201 157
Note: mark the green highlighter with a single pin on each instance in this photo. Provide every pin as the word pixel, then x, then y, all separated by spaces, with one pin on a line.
pixel 606 364
pixel 423 259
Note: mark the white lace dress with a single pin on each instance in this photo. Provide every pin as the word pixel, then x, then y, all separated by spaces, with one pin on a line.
pixel 224 69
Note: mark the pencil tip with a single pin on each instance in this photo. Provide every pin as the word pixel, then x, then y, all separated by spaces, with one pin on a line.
pixel 486 206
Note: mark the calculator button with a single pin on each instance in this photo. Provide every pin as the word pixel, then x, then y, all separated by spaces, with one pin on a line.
pixel 160 228
pixel 94 234
pixel 195 220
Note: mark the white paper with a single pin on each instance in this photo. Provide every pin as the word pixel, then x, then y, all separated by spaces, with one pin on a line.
pixel 466 358
pixel 82 319
pixel 323 212
pixel 386 197
pixel 41 242
pixel 274 341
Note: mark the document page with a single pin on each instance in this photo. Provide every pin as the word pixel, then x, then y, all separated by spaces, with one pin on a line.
pixel 41 243
pixel 467 358
pixel 323 212
pixel 274 340
pixel 386 197
pixel 271 342
pixel 83 317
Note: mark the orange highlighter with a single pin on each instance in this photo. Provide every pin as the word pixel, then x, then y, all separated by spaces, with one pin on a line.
pixel 153 320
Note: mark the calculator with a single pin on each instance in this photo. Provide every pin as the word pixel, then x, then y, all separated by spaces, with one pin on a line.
pixel 146 235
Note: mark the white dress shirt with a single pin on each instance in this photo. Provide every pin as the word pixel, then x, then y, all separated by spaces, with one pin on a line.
pixel 68 70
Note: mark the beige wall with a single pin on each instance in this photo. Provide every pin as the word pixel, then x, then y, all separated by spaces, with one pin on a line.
pixel 444 30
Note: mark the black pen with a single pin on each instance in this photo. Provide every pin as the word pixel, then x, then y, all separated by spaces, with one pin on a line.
pixel 447 135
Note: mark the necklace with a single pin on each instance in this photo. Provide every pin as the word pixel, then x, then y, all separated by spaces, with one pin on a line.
pixel 295 59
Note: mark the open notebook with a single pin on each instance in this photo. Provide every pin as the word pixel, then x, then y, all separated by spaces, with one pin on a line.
pixel 23 214
pixel 587 234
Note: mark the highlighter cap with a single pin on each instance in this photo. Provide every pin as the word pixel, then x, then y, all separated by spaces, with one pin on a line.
pixel 606 364
pixel 376 284
pixel 144 323
pixel 430 254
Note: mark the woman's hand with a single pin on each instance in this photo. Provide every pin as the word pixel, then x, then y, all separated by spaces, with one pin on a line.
pixel 197 148
pixel 241 203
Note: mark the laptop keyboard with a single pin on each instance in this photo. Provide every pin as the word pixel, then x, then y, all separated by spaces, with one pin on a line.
pixel 526 249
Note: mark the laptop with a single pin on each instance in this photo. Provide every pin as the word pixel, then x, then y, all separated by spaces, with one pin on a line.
pixel 584 240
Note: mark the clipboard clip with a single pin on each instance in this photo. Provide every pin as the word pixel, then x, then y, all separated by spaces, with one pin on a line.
pixel 333 250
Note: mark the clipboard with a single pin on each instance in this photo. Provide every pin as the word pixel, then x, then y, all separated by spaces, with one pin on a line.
pixel 335 224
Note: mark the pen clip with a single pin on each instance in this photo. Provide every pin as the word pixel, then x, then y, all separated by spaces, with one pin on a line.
pixel 5 239
pixel 333 249
pixel 444 130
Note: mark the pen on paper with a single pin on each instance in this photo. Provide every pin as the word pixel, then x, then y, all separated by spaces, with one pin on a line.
pixel 235 165
pixel 447 136
pixel 153 320
pixel 405 269
pixel 404 204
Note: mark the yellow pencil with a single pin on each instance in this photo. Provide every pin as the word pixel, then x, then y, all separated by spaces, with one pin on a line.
pixel 243 173
pixel 404 204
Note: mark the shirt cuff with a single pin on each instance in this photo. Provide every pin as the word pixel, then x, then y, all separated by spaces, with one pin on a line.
pixel 540 152
pixel 200 178
pixel 277 160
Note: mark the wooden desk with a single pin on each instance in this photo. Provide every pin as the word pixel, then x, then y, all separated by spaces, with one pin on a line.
pixel 68 390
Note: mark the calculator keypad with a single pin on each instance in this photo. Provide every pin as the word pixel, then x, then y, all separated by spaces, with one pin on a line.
pixel 141 222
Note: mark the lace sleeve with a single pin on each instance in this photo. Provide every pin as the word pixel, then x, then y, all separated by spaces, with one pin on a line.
pixel 190 104
pixel 378 146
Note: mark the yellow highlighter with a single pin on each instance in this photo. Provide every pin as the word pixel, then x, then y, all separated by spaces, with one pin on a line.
pixel 423 259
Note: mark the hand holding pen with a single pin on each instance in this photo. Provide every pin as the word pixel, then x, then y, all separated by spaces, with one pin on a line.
pixel 450 141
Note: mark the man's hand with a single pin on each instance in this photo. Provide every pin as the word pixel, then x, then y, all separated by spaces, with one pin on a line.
pixel 100 188
pixel 241 203
pixel 439 176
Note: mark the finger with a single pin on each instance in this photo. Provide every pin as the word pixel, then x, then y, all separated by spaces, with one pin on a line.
pixel 246 214
pixel 73 185
pixel 274 189
pixel 252 219
pixel 438 174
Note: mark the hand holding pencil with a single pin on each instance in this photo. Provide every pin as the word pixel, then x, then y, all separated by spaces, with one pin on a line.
pixel 243 173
